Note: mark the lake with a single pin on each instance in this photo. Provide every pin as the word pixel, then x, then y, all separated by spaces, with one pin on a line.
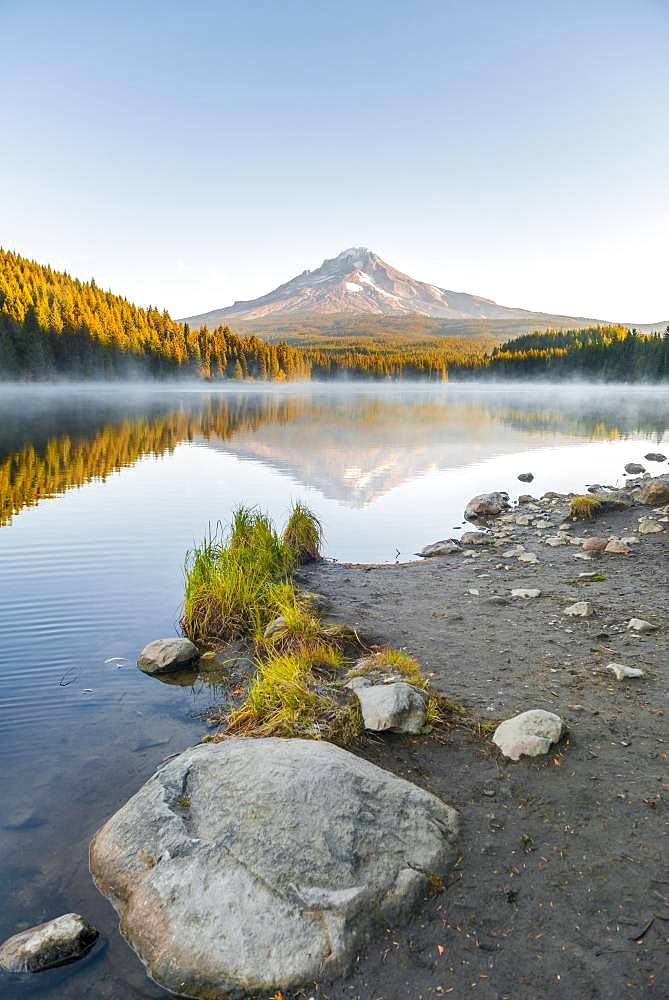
pixel 103 491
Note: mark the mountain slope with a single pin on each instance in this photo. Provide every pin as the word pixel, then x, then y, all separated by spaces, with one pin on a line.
pixel 359 282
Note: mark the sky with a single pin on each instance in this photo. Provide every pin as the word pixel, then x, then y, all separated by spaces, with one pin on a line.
pixel 190 154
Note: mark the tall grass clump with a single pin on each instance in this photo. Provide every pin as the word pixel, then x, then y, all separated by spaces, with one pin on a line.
pixel 290 697
pixel 228 579
pixel 303 534
pixel 584 508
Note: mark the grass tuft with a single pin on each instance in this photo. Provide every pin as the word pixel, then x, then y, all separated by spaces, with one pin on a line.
pixel 393 662
pixel 286 699
pixel 228 580
pixel 584 508
pixel 303 534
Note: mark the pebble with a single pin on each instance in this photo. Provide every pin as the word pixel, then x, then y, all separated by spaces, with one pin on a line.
pixel 581 609
pixel 528 557
pixel 525 592
pixel 640 625
pixel 649 526
pixel 622 672
pixel 617 547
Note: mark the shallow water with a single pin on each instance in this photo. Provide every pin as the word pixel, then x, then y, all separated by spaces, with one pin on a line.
pixel 102 491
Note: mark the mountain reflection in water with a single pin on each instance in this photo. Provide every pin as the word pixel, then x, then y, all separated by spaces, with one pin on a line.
pixel 353 447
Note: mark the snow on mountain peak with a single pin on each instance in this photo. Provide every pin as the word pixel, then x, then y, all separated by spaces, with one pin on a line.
pixel 353 252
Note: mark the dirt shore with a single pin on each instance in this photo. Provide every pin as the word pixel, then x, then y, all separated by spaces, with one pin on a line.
pixel 562 890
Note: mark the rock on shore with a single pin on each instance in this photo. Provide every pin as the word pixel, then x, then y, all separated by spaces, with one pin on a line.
pixel 528 734
pixel 487 505
pixel 399 707
pixel 261 864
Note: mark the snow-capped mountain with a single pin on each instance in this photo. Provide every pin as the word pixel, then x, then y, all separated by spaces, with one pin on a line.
pixel 358 281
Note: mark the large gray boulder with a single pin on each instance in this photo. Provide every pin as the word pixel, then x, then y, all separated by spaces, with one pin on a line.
pixel 166 655
pixel 263 864
pixel 55 942
pixel 399 707
pixel 487 505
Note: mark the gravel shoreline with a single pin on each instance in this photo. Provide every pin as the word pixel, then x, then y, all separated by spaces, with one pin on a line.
pixel 563 885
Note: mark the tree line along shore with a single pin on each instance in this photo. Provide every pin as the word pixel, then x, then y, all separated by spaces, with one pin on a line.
pixel 54 326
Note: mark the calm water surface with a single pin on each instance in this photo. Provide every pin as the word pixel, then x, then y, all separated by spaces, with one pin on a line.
pixel 102 492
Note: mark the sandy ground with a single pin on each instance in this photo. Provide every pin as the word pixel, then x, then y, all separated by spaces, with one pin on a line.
pixel 562 889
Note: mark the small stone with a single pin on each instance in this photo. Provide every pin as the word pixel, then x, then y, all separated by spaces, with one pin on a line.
pixel 655 456
pixel 525 592
pixel 630 540
pixel 513 552
pixel 613 500
pixel 530 734
pixel 622 672
pixel 641 626
pixel 473 591
pixel 476 538
pixel 55 942
pixel 554 541
pixel 525 477
pixel 594 544
pixel 655 492
pixel 649 526
pixel 166 655
pixel 398 707
pixel 634 469
pixel 528 557
pixel 581 609
pixel 588 576
pixel 446 547
pixel 615 546
pixel 583 555
pixel 522 520
pixel 487 505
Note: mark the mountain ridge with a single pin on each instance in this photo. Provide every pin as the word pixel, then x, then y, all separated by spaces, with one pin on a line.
pixel 357 282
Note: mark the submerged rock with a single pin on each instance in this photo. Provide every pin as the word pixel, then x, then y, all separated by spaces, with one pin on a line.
pixel 263 864
pixel 165 655
pixel 634 469
pixel 528 734
pixel 399 707
pixel 446 547
pixel 487 505
pixel 55 942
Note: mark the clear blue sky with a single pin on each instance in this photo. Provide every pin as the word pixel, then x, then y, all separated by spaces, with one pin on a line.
pixel 191 153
